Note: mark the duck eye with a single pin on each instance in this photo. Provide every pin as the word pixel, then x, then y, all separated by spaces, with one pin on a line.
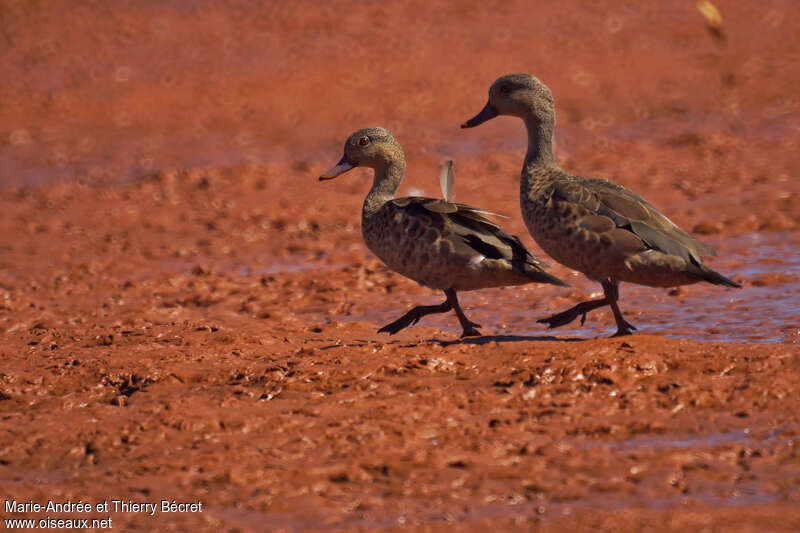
pixel 363 141
pixel 504 89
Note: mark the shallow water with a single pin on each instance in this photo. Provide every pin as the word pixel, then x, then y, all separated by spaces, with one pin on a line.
pixel 767 309
pixel 674 441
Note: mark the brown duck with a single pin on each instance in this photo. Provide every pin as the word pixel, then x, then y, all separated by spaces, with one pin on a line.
pixel 437 243
pixel 591 225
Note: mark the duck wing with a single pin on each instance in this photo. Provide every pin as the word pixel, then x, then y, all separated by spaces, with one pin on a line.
pixel 631 212
pixel 471 232
pixel 433 205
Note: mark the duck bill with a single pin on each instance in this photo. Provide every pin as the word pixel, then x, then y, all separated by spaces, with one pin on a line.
pixel 487 113
pixel 341 167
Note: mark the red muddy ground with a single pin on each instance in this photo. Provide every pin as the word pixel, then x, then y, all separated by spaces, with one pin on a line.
pixel 186 314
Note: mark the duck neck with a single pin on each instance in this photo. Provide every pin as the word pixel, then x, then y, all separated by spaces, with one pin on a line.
pixel 540 147
pixel 387 178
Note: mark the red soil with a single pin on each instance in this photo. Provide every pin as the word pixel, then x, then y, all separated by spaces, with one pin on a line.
pixel 187 314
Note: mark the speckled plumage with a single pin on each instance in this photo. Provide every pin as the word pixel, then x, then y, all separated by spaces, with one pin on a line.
pixel 439 244
pixel 591 225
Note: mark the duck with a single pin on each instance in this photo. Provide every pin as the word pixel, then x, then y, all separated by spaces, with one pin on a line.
pixel 437 243
pixel 594 226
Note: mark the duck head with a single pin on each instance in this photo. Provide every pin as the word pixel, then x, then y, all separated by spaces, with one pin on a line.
pixel 517 95
pixel 367 147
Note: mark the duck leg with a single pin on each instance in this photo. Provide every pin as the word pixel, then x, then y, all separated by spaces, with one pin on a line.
pixel 413 316
pixel 469 326
pixel 611 288
pixel 580 310
pixel 610 297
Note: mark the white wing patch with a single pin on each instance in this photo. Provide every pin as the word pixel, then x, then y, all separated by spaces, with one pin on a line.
pixel 446 179
pixel 477 259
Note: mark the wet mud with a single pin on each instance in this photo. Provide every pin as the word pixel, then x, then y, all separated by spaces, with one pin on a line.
pixel 187 314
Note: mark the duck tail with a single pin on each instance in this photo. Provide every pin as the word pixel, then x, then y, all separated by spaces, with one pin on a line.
pixel 716 278
pixel 540 276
